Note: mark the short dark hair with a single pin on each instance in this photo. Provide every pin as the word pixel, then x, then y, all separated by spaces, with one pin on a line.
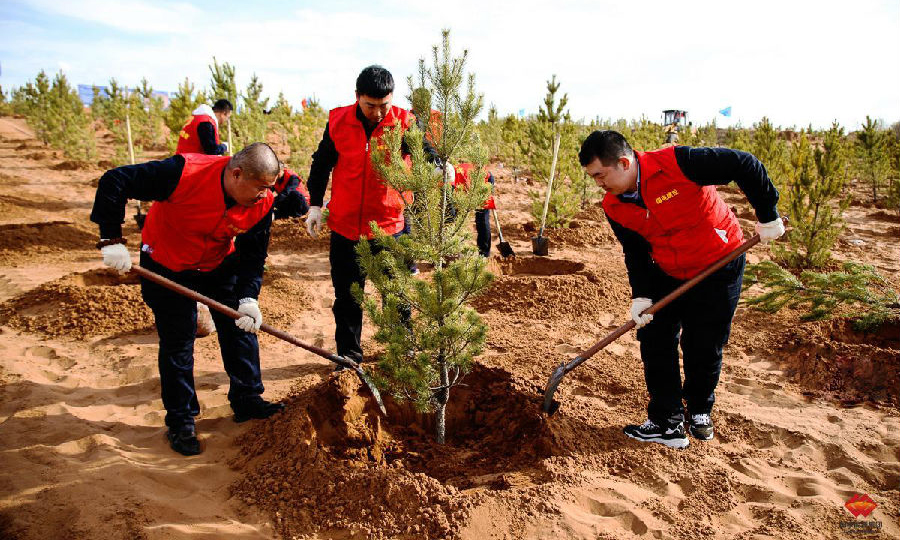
pixel 258 160
pixel 222 105
pixel 375 81
pixel 607 146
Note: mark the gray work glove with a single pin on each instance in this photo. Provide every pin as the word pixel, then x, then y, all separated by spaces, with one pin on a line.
pixel 116 256
pixel 252 316
pixel 314 221
pixel 637 306
pixel 769 231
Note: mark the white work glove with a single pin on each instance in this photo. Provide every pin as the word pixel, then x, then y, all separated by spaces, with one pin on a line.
pixel 314 221
pixel 117 256
pixel 225 144
pixel 770 231
pixel 637 306
pixel 252 316
pixel 448 172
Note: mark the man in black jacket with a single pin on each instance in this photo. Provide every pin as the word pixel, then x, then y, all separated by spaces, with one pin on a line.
pixel 208 230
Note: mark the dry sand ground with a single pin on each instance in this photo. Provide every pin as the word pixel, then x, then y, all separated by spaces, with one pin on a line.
pixel 806 414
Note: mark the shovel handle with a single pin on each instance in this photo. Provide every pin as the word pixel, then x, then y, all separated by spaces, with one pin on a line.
pixel 550 405
pixel 233 313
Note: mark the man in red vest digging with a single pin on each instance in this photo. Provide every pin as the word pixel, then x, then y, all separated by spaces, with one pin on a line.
pixel 664 209
pixel 201 134
pixel 291 197
pixel 208 230
pixel 358 194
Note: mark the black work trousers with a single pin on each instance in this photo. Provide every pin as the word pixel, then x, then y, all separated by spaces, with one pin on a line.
pixel 176 324
pixel 700 320
pixel 348 315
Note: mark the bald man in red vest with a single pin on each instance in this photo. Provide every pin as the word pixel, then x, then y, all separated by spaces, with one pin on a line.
pixel 664 209
pixel 208 229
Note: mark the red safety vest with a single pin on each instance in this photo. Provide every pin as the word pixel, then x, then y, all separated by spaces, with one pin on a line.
pixel 280 185
pixel 358 194
pixel 188 141
pixel 688 226
pixel 462 179
pixel 192 229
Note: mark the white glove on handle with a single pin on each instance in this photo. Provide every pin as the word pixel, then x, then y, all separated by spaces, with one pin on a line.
pixel 225 144
pixel 252 316
pixel 637 306
pixel 314 221
pixel 116 256
pixel 770 231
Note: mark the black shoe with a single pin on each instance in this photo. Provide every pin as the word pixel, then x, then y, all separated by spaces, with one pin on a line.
pixel 255 407
pixel 701 426
pixel 672 436
pixel 183 439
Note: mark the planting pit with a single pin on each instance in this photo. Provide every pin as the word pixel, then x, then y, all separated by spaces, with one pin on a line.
pixel 331 461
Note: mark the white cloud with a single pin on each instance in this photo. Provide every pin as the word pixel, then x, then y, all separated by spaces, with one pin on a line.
pixel 795 62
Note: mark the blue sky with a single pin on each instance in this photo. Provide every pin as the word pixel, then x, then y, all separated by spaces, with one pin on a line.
pixel 797 62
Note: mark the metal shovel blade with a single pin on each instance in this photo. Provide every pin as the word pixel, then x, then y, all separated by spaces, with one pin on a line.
pixel 505 249
pixel 540 245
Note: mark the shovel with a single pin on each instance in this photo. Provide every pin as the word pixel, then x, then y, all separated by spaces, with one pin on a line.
pixel 539 244
pixel 234 314
pixel 551 405
pixel 505 249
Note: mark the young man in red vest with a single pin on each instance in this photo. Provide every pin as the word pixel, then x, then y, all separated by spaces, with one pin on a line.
pixel 201 134
pixel 664 209
pixel 358 194
pixel 291 196
pixel 208 230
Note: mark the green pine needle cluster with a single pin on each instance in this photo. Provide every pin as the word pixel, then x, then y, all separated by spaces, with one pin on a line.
pixel 428 355
pixel 857 287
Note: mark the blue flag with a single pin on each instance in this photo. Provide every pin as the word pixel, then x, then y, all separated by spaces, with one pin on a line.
pixel 726 111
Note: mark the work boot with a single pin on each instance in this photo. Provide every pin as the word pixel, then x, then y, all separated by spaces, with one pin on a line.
pixel 183 439
pixel 701 427
pixel 671 436
pixel 255 407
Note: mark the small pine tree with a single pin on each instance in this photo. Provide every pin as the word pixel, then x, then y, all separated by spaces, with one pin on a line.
pixel 58 117
pixel 871 153
pixel 816 187
pixel 554 120
pixel 428 354
pixel 5 105
pixel 857 287
pixel 771 151
pixel 515 144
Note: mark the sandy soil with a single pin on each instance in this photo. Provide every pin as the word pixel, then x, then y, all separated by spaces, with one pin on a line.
pixel 807 413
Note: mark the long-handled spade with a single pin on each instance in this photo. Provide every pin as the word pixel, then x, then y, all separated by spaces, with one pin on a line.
pixel 539 244
pixel 234 314
pixel 551 405
pixel 505 249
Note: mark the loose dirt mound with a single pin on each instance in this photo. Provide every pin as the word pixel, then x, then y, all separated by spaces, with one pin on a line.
pixel 542 288
pixel 43 237
pixel 831 359
pixel 332 462
pixel 78 306
pixel 290 235
pixel 282 298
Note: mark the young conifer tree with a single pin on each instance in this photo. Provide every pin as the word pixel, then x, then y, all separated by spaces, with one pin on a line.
pixel 815 201
pixel 430 350
pixel 58 117
pixel 553 120
pixel 872 157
